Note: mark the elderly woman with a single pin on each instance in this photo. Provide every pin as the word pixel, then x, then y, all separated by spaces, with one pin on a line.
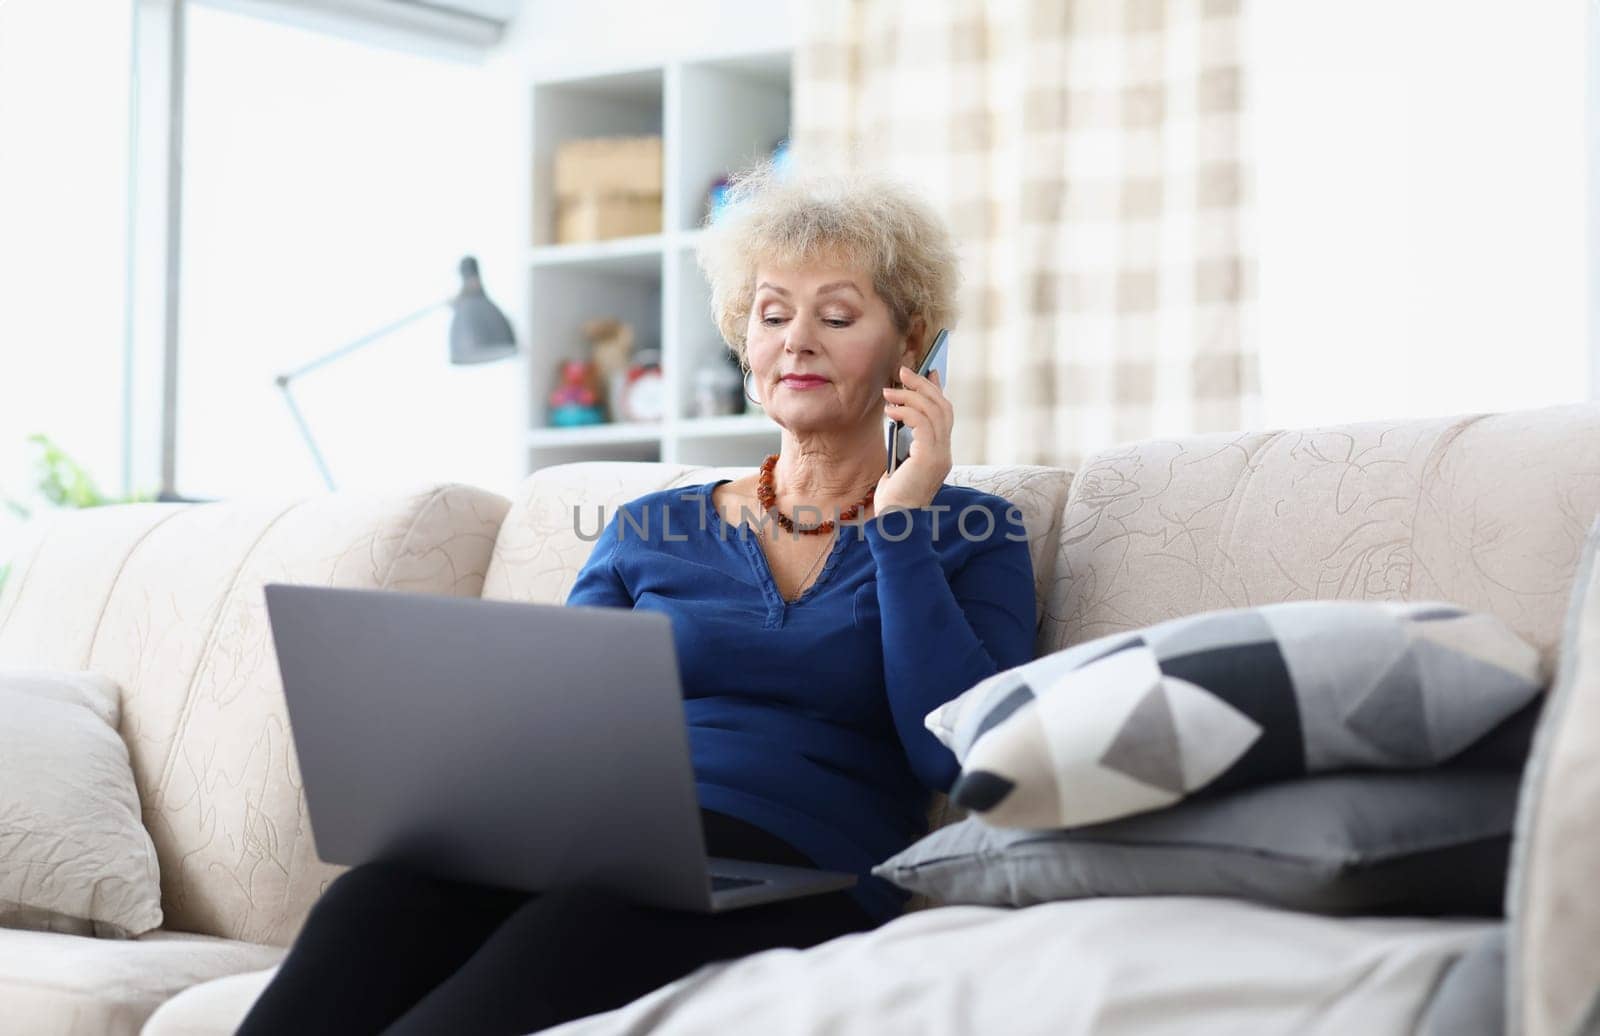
pixel 820 609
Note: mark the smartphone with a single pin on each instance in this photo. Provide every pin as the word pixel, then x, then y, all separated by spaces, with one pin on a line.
pixel 937 358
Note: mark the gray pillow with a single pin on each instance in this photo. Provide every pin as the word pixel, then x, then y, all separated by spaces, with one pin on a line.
pixel 1416 843
pixel 1226 699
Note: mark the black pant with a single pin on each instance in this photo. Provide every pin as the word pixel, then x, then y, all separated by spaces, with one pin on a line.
pixel 387 947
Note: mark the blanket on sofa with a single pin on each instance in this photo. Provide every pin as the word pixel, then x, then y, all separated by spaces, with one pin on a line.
pixel 1146 966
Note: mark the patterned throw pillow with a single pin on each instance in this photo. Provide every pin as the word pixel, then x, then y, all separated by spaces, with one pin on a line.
pixel 1226 699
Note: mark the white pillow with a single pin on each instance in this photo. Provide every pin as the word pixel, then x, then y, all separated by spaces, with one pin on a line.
pixel 74 854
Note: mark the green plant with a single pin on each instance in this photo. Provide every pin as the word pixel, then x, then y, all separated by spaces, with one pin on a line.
pixel 64 483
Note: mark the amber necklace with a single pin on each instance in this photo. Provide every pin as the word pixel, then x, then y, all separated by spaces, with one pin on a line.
pixel 769 502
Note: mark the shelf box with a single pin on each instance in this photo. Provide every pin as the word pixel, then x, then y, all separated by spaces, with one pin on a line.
pixel 608 166
pixel 621 104
pixel 596 218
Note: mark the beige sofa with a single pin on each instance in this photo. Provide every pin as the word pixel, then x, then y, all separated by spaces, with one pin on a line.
pixel 1486 509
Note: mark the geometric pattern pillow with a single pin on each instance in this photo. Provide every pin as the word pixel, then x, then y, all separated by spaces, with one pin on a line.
pixel 1231 698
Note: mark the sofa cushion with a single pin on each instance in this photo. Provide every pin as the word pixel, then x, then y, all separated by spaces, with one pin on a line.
pixel 166 600
pixel 69 985
pixel 1432 842
pixel 1553 951
pixel 212 1008
pixel 74 855
pixel 1206 703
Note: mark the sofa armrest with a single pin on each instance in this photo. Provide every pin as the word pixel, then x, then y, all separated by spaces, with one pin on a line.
pixel 167 600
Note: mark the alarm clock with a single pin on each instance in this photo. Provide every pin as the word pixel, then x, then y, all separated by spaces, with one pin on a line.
pixel 644 392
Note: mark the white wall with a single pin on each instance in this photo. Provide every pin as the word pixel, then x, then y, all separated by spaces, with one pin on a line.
pixel 1421 211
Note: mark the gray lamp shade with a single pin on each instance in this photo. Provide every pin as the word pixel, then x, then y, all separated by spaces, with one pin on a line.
pixel 479 332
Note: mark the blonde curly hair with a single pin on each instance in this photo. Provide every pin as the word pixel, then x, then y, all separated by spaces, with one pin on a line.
pixel 861 219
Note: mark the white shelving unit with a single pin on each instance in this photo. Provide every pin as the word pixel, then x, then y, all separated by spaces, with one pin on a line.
pixel 715 113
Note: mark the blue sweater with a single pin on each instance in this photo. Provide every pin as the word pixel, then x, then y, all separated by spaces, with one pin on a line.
pixel 805 718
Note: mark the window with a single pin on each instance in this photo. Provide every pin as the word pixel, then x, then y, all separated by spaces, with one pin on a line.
pixel 63 234
pixel 329 188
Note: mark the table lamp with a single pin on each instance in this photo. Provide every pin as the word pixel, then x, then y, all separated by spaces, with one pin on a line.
pixel 479 333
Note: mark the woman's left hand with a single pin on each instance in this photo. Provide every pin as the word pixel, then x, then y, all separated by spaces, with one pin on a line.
pixel 924 408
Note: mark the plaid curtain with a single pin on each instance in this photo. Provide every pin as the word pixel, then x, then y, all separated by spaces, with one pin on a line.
pixel 1088 155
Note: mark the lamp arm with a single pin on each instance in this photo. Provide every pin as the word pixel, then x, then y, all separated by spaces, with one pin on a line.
pixel 366 339
pixel 343 350
pixel 283 379
pixel 305 432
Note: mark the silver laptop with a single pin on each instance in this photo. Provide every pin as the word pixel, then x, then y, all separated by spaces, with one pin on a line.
pixel 523 745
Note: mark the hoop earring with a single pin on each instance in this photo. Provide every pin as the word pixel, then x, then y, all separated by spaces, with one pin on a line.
pixel 747 394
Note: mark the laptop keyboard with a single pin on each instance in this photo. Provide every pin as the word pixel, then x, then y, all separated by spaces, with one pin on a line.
pixel 726 881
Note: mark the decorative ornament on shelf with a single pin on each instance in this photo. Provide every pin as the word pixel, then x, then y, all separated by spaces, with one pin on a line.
pixel 576 401
pixel 644 394
pixel 718 387
pixel 610 344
